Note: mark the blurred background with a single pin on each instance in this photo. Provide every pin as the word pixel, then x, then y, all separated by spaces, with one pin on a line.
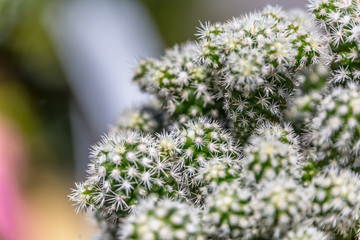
pixel 65 76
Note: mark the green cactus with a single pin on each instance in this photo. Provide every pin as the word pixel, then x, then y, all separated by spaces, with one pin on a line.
pixel 164 219
pixel 340 20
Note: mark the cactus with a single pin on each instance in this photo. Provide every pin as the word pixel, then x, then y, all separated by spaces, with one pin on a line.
pixel 303 107
pixel 279 205
pixel 334 132
pixel 164 219
pixel 269 155
pixel 228 213
pixel 201 142
pixel 146 119
pixel 218 159
pixel 259 57
pixel 336 202
pixel 306 233
pixel 187 90
pixel 340 20
pixel 218 171
pixel 125 167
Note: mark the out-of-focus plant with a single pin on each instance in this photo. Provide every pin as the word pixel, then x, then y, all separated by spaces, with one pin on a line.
pixel 35 92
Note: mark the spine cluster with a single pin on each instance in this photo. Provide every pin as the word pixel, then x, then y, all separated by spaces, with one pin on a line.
pixel 186 89
pixel 270 155
pixel 334 131
pixel 306 233
pixel 280 205
pixel 204 145
pixel 336 202
pixel 340 20
pixel 125 167
pixel 228 212
pixel 164 219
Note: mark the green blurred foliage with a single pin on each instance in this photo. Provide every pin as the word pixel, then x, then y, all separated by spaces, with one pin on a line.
pixel 10 12
pixel 176 20
pixel 30 44
pixel 33 91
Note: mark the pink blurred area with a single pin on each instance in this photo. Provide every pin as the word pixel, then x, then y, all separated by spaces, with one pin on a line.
pixel 13 161
pixel 38 213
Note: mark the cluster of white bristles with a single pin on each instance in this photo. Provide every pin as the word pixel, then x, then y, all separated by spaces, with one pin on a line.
pixel 340 19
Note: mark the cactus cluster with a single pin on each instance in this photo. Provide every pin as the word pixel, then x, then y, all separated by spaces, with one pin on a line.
pixel 125 166
pixel 186 89
pixel 258 58
pixel 257 136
